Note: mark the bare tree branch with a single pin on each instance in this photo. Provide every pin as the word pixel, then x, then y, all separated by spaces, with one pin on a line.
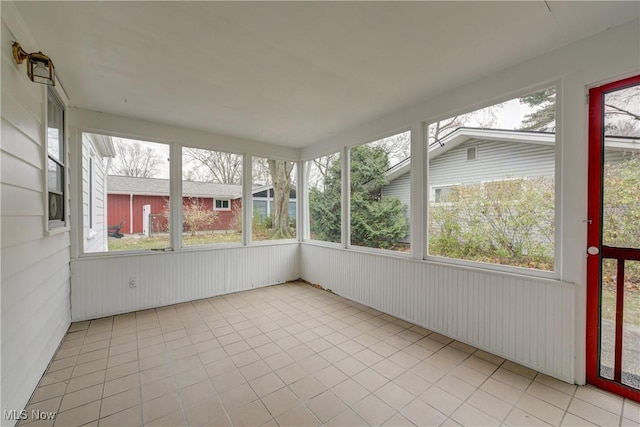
pixel 213 166
pixel 132 159
pixel 622 111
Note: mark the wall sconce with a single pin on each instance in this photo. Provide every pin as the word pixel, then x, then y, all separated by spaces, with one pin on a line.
pixel 39 66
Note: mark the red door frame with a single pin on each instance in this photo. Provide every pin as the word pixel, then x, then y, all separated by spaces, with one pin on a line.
pixel 594 238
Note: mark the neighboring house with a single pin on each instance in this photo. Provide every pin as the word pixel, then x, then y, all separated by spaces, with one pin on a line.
pixel 263 202
pixel 97 152
pixel 471 155
pixel 128 195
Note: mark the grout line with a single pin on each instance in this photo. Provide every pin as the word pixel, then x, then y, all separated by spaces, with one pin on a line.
pixel 282 313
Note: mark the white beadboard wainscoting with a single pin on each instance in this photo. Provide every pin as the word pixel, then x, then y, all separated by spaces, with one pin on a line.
pixel 524 319
pixel 100 286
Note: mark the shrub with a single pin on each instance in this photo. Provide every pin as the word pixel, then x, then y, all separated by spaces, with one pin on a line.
pixel 197 217
pixel 507 222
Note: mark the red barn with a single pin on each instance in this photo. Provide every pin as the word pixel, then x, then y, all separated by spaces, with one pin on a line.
pixel 126 197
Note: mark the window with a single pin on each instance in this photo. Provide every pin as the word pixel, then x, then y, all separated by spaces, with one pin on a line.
pixel 211 197
pixel 472 153
pixel 443 194
pixel 502 209
pixel 125 192
pixel 324 184
pixel 274 199
pixel 56 187
pixel 223 204
pixel 380 193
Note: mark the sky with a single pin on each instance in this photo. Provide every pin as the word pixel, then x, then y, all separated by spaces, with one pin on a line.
pixel 512 114
pixel 161 149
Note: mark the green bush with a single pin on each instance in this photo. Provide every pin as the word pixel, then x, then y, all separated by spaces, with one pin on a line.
pixel 621 210
pixel 375 221
pixel 258 223
pixel 507 222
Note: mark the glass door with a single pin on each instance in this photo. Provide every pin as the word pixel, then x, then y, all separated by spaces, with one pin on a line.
pixel 613 278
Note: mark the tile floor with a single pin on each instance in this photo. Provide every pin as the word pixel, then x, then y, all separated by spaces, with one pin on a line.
pixel 293 355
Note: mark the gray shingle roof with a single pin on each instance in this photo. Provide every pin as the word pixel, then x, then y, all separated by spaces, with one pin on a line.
pixel 160 187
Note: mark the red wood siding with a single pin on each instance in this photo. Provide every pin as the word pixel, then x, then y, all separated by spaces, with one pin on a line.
pixel 118 210
pixel 226 219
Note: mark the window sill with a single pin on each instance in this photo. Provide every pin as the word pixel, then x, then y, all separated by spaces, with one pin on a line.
pixel 497 268
pixel 552 277
pixel 256 243
pixel 186 249
pixel 53 231
pixel 362 249
pixel 212 246
pixel 381 251
pixel 323 243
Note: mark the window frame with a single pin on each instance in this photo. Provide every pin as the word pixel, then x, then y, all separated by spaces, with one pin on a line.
pixel 556 274
pixel 475 153
pixel 306 165
pixel 79 209
pixel 215 206
pixel 209 245
pixel 433 188
pixel 55 226
pixel 270 200
pixel 346 197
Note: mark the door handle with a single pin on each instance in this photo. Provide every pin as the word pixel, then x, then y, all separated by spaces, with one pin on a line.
pixel 593 250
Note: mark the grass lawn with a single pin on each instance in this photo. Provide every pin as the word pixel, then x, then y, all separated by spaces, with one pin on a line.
pixel 161 241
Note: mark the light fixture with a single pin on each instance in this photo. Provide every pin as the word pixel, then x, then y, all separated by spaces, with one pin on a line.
pixel 39 66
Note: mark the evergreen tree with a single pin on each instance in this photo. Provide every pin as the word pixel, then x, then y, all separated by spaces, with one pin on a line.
pixel 543 119
pixel 375 221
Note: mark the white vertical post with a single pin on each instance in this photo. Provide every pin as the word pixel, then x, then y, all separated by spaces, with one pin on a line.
pixel 247 198
pixel 419 198
pixel 301 229
pixel 346 197
pixel 175 196
pixel 75 148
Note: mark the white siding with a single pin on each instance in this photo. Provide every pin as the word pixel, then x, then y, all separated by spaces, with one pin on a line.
pixel 101 284
pixel 529 321
pixel 95 238
pixel 495 160
pixel 401 188
pixel 35 267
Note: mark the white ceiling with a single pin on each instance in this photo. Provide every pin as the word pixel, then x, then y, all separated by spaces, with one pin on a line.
pixel 292 73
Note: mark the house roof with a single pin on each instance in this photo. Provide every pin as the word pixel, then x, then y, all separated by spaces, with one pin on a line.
pixel 465 134
pixel 102 143
pixel 160 187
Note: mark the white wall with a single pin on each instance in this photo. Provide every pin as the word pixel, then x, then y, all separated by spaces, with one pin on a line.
pixel 607 56
pixel 35 266
pixel 100 285
pixel 95 238
pixel 524 319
